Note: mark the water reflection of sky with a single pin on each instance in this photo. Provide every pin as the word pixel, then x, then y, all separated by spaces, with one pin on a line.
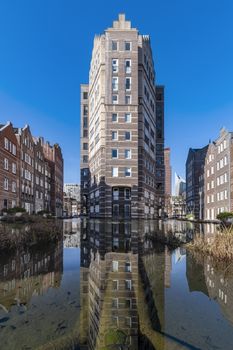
pixel 193 316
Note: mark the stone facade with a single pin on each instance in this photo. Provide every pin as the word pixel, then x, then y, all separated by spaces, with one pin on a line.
pixel 122 165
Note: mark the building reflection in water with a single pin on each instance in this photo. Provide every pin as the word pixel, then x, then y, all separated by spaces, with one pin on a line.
pixel 121 300
pixel 29 272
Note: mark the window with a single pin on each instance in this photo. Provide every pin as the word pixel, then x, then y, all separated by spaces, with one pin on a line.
pixel 114 153
pixel 6 184
pixel 114 45
pixel 127 46
pixel 114 135
pixel 85 133
pixel 115 65
pixel 128 303
pixel 13 186
pixel 85 122
pixel 115 303
pixel 6 143
pixel 114 172
pixel 127 267
pixel 13 168
pixel 127 154
pixel 128 284
pixel 127 83
pixel 6 165
pixel 128 66
pixel 115 266
pixel 127 99
pixel 14 149
pixel 114 99
pixel 115 193
pixel 85 159
pixel 127 135
pixel 85 146
pixel 115 284
pixel 127 193
pixel 128 117
pixel 127 172
pixel 114 117
pixel 115 84
pixel 85 95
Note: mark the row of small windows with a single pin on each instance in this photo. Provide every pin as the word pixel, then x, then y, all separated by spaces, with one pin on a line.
pixel 115 83
pixel 220 197
pixel 127 65
pixel 127 99
pixel 127 172
pixel 9 146
pixel 6 185
pixel 127 117
pixel 6 166
pixel 127 135
pixel 127 153
pixel 127 45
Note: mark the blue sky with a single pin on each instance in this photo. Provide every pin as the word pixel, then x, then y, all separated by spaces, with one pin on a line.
pixel 45 50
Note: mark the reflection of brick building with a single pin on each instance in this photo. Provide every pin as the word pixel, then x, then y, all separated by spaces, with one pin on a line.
pixel 168 181
pixel 9 167
pixel 29 272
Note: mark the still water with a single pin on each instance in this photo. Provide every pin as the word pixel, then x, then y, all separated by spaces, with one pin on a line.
pixel 111 285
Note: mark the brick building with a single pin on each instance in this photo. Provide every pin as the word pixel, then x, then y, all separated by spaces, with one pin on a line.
pixel 122 128
pixel 31 172
pixel 26 161
pixel 53 156
pixel 219 176
pixel 9 167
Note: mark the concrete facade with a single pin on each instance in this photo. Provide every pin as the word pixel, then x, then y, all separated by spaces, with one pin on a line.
pixel 122 153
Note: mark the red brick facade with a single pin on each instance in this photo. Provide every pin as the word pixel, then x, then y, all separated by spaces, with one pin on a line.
pixel 9 167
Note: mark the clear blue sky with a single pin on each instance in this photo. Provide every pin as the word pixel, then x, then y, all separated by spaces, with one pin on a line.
pixel 45 50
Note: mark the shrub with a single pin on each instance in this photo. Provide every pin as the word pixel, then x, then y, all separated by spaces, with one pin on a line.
pixel 43 212
pixel 224 216
pixel 15 210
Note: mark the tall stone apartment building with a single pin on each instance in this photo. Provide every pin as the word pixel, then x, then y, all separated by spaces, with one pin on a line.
pixel 9 167
pixel 122 128
pixel 219 176
pixel 195 189
pixel 31 172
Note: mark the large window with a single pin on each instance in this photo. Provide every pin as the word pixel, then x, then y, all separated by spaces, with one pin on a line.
pixel 128 172
pixel 115 266
pixel 127 99
pixel 114 117
pixel 114 172
pixel 114 45
pixel 114 135
pixel 127 66
pixel 6 184
pixel 128 117
pixel 115 65
pixel 115 193
pixel 114 153
pixel 114 99
pixel 127 135
pixel 127 84
pixel 127 154
pixel 128 45
pixel 6 165
pixel 115 83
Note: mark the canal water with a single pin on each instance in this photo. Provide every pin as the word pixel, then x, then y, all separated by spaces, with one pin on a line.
pixel 116 285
